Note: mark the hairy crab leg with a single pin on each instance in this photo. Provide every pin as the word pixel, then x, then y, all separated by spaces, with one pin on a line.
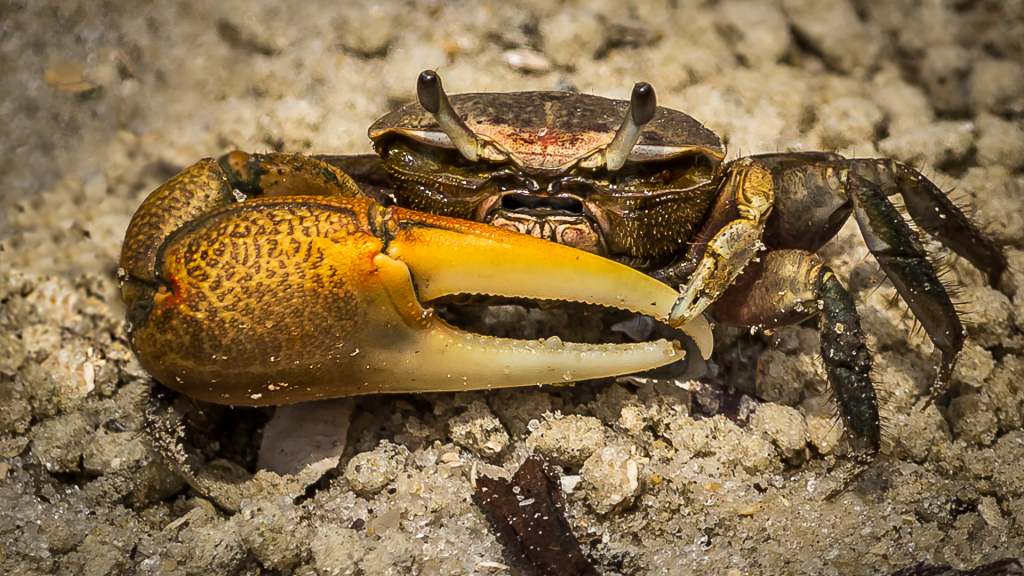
pixel 788 286
pixel 818 191
pixel 902 257
pixel 284 299
pixel 935 213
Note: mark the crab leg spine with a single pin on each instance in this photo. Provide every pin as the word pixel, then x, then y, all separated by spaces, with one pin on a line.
pixel 786 287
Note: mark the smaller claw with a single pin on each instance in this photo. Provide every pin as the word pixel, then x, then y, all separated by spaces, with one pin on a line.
pixel 735 244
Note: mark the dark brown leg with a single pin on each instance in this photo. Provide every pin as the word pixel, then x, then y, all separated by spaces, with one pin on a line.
pixel 935 213
pixel 810 206
pixel 788 286
pixel 815 193
pixel 902 257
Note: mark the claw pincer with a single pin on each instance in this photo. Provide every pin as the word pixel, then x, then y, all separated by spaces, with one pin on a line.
pixel 270 279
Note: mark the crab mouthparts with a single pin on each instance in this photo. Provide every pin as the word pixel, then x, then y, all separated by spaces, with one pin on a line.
pixel 542 205
pixel 558 219
pixel 555 226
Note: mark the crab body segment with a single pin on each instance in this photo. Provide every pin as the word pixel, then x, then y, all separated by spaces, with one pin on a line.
pixel 266 279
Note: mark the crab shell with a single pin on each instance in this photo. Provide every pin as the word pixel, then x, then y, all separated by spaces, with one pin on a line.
pixel 551 132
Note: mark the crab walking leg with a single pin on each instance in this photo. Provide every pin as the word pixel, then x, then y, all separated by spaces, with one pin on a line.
pixel 902 257
pixel 811 205
pixel 786 287
pixel 847 360
pixel 935 213
pixel 735 244
pixel 280 300
pixel 816 193
pixel 848 364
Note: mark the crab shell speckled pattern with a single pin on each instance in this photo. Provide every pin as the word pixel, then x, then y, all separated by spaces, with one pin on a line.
pixel 549 132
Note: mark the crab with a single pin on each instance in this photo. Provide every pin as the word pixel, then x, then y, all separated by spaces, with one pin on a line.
pixel 262 279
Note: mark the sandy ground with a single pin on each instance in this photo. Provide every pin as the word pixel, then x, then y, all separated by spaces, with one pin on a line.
pixel 102 101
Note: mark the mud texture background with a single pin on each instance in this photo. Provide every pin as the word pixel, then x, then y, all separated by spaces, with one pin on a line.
pixel 102 101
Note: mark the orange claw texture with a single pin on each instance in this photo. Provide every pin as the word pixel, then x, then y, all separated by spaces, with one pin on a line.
pixel 264 301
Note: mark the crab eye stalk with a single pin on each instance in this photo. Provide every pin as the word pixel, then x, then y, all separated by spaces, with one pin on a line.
pixel 642 105
pixel 431 95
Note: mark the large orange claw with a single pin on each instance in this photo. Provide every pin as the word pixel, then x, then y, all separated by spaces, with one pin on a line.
pixel 295 298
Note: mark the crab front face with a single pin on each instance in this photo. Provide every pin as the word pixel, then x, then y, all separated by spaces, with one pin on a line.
pixel 560 166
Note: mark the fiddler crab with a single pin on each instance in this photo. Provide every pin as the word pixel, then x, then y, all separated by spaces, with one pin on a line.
pixel 265 279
